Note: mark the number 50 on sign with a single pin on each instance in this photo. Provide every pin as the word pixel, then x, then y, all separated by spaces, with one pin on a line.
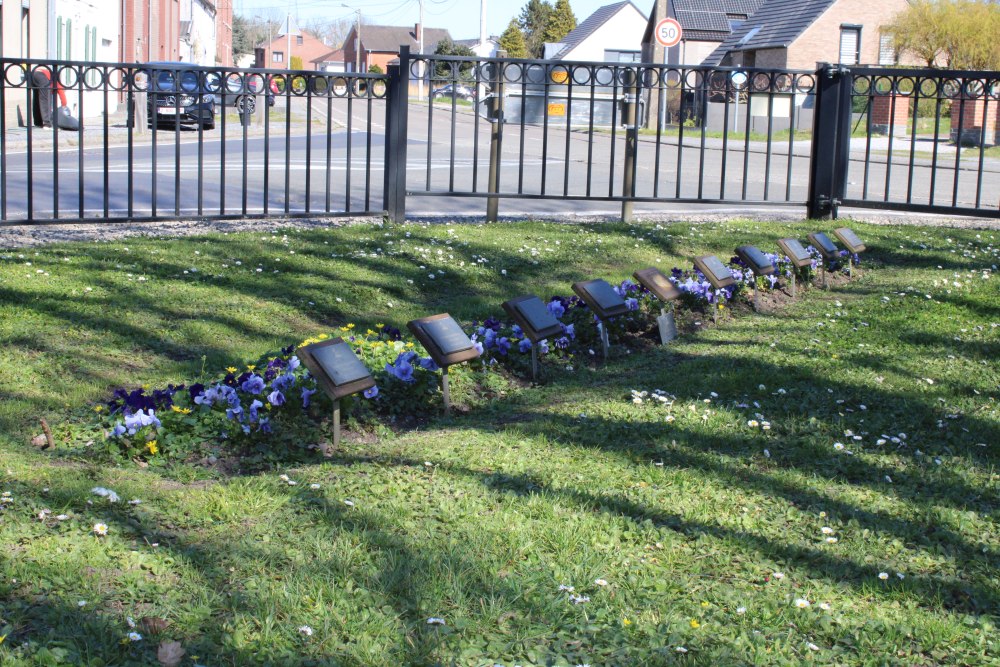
pixel 669 32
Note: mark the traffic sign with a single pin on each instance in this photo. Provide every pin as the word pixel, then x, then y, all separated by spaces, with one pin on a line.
pixel 669 32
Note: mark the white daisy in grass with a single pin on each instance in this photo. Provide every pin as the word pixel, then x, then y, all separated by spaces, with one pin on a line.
pixel 681 649
pixel 305 631
pixel 839 446
pixel 826 530
pixel 314 486
pixel 349 503
pixel 900 575
pixel 883 575
pixel 753 423
pixel 825 606
pixel 100 529
pixel 778 575
pixel 832 540
pixel 433 620
pixel 600 582
pixel 134 637
pixel 802 603
pixel 741 610
pixel 812 647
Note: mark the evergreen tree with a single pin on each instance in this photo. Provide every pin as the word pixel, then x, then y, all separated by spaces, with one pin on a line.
pixel 561 22
pixel 512 41
pixel 534 17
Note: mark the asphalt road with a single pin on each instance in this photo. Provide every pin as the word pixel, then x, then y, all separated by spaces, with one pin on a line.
pixel 448 153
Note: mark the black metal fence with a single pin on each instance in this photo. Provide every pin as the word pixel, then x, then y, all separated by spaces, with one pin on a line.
pixel 179 142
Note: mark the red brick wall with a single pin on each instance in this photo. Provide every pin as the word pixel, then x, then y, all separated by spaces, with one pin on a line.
pixel 820 42
pixel 977 118
pixel 885 114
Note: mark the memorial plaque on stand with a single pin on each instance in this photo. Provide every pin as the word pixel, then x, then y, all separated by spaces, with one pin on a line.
pixel 336 368
pixel 443 339
pixel 338 372
pixel 658 283
pixel 756 260
pixel 850 240
pixel 531 314
pixel 822 242
pixel 601 298
pixel 715 271
pixel 796 252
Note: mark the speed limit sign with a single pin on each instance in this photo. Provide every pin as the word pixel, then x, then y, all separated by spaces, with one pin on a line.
pixel 669 32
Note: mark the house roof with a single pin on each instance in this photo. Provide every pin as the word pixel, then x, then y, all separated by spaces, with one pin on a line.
pixel 337 55
pixel 706 20
pixel 776 24
pixel 591 24
pixel 388 38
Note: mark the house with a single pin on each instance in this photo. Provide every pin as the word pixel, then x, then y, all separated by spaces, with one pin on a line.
pixel 705 24
pixel 482 48
pixel 380 44
pixel 197 32
pixel 291 42
pixel 85 30
pixel 331 61
pixel 224 32
pixel 801 34
pixel 613 33
pixel 150 31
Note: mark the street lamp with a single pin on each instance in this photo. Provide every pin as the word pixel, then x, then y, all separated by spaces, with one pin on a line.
pixel 357 46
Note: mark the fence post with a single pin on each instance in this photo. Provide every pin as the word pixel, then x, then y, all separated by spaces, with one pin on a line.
pixel 496 138
pixel 397 97
pixel 631 139
pixel 831 144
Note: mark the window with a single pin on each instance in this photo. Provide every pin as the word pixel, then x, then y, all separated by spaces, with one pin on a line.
pixel 850 44
pixel 614 56
pixel 886 51
pixel 278 57
pixel 298 40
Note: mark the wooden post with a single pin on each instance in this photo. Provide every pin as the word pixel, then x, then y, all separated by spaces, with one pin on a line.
pixel 445 392
pixel 336 423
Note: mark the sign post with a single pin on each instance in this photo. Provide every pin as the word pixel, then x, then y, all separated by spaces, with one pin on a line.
pixel 668 34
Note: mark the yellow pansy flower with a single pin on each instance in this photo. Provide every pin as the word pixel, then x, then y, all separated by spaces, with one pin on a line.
pixel 153 449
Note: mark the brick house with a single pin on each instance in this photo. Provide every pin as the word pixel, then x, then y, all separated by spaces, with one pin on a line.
pixel 278 53
pixel 380 44
pixel 706 24
pixel 800 34
pixel 612 33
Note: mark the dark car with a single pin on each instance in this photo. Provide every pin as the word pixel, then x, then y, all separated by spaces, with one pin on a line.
pixel 179 96
pixel 454 90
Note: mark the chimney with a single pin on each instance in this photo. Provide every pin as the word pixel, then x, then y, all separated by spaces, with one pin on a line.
pixel 417 32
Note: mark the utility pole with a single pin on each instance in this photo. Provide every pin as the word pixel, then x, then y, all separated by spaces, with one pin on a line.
pixel 482 23
pixel 357 40
pixel 288 38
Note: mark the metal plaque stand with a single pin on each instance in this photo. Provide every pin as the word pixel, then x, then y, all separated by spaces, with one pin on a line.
pixel 794 271
pixel 445 391
pixel 603 331
pixel 823 270
pixel 534 361
pixel 756 296
pixel 850 266
pixel 667 326
pixel 336 423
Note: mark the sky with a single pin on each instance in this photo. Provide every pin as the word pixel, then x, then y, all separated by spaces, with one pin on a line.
pixel 459 17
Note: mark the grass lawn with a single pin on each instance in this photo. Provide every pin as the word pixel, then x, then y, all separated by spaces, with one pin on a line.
pixel 699 540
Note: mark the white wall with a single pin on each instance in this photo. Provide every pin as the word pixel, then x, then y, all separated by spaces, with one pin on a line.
pixel 96 23
pixel 199 48
pixel 690 52
pixel 622 32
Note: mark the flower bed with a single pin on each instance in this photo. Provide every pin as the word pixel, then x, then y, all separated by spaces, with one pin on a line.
pixel 247 407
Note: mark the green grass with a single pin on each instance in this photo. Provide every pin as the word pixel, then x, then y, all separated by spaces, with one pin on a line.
pixel 479 518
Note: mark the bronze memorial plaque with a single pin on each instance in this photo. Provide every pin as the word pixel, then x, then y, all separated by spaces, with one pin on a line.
pixel 822 242
pixel 658 283
pixel 796 252
pixel 601 298
pixel 336 368
pixel 715 271
pixel 850 240
pixel 531 314
pixel 756 260
pixel 443 339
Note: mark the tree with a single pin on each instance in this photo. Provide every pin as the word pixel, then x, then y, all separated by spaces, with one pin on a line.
pixel 533 19
pixel 295 63
pixel 961 34
pixel 375 69
pixel 512 41
pixel 561 22
pixel 446 47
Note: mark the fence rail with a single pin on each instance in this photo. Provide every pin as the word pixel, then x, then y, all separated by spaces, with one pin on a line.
pixel 173 141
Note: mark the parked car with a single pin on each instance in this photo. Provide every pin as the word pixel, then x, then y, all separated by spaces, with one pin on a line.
pixel 234 97
pixel 178 96
pixel 454 90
